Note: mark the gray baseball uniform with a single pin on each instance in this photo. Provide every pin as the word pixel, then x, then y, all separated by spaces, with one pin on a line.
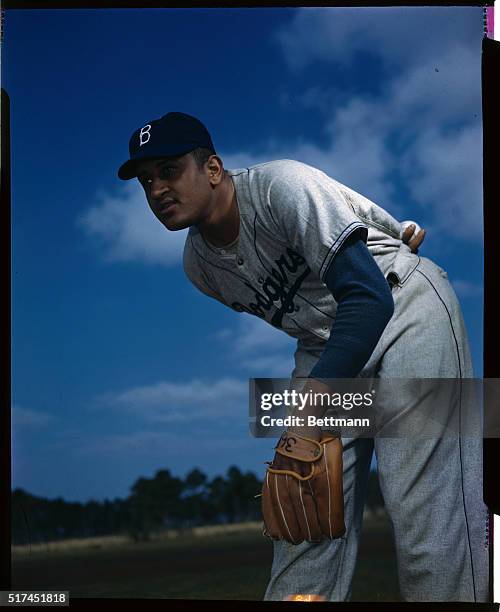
pixel 293 220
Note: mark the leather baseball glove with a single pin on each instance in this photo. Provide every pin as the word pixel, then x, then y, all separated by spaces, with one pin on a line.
pixel 302 494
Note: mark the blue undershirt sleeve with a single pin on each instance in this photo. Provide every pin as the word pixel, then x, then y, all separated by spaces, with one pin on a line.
pixel 365 306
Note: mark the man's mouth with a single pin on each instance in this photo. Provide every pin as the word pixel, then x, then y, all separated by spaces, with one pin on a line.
pixel 166 205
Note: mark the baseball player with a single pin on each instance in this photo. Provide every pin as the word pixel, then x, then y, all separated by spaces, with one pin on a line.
pixel 287 243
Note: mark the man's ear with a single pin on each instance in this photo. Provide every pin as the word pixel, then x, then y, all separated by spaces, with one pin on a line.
pixel 215 169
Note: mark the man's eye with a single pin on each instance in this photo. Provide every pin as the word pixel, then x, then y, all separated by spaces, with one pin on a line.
pixel 167 171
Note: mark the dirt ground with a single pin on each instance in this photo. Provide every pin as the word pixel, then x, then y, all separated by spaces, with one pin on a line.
pixel 233 566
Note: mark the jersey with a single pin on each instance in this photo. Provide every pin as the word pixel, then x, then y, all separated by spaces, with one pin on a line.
pixel 293 220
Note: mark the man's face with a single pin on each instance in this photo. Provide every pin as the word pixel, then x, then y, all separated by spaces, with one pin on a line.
pixel 178 192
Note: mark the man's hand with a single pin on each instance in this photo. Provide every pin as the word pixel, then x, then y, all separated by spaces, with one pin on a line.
pixel 302 495
pixel 411 238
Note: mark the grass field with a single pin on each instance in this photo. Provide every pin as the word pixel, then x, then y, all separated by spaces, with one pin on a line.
pixel 233 566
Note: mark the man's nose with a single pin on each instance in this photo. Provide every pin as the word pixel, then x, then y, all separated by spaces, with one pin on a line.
pixel 159 188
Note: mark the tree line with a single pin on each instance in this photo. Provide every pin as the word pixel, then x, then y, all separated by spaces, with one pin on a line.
pixel 154 504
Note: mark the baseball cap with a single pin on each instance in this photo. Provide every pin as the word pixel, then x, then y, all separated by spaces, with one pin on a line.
pixel 172 135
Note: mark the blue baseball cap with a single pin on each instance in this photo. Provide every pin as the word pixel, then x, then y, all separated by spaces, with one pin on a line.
pixel 172 135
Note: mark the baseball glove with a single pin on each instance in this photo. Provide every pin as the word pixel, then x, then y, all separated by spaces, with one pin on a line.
pixel 302 494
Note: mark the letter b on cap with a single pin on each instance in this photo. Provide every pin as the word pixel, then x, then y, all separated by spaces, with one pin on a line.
pixel 145 135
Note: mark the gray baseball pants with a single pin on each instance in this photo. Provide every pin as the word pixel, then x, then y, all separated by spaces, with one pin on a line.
pixel 432 488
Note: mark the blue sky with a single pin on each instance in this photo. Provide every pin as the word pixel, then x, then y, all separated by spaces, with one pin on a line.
pixel 120 366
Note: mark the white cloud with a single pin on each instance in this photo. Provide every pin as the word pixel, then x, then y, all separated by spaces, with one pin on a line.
pixel 258 348
pixel 399 36
pixel 424 126
pixel 466 289
pixel 440 90
pixel 255 335
pixel 25 417
pixel 191 392
pixel 169 402
pixel 445 175
pixel 126 229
